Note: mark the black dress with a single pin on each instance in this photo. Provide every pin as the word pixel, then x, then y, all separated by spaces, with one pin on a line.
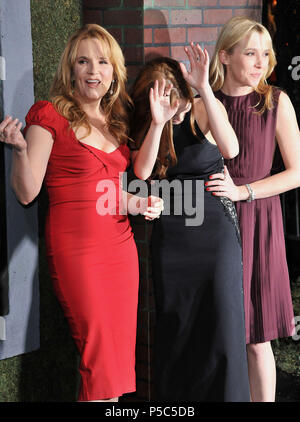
pixel 200 348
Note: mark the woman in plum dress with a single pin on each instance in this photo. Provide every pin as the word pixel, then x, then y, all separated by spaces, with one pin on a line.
pixel 78 143
pixel 261 116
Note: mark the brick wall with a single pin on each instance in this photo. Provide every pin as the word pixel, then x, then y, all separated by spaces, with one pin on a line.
pixel 145 28
pixel 171 24
pixel 124 20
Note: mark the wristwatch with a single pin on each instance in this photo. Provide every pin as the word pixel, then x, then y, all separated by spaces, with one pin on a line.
pixel 251 193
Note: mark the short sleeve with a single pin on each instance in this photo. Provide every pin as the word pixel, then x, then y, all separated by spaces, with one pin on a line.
pixel 43 114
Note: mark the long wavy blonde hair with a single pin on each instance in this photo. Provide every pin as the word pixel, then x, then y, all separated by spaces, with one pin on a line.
pixel 232 32
pixel 115 106
pixel 158 69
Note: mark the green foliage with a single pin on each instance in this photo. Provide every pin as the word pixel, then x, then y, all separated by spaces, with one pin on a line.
pixel 53 21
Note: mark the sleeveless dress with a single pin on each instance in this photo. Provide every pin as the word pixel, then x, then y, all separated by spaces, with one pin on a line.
pixel 199 348
pixel 268 303
pixel 92 258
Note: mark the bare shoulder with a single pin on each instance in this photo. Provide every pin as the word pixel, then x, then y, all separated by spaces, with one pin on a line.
pixel 282 96
pixel 286 111
pixel 284 102
pixel 287 130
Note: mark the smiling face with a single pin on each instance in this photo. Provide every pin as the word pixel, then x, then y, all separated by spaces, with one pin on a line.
pixel 92 71
pixel 248 63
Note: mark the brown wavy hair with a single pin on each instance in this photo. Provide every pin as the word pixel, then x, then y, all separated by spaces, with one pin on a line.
pixel 158 69
pixel 232 32
pixel 115 106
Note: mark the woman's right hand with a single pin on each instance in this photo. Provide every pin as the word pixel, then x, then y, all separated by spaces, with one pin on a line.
pixel 10 133
pixel 221 184
pixel 159 98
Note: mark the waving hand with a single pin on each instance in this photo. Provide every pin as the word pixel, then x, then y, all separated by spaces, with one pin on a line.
pixel 198 76
pixel 159 97
pixel 10 133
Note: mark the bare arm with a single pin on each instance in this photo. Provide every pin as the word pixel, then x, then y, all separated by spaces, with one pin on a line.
pixel 30 158
pixel 227 141
pixel 144 159
pixel 213 111
pixel 219 126
pixel 288 138
pixel 161 110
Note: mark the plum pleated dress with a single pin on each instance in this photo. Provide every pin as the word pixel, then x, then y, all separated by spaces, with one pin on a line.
pixel 92 258
pixel 268 304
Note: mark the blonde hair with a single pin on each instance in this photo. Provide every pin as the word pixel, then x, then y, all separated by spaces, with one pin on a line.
pixel 158 69
pixel 232 32
pixel 115 106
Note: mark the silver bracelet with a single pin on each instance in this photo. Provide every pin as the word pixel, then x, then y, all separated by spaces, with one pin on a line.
pixel 251 193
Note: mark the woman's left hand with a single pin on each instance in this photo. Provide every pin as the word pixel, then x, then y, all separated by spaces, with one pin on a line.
pixel 222 185
pixel 152 207
pixel 198 76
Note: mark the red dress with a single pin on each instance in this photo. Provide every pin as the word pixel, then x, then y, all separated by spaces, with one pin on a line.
pixel 92 258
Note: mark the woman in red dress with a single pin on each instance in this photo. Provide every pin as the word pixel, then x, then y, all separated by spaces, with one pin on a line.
pixel 77 143
pixel 261 116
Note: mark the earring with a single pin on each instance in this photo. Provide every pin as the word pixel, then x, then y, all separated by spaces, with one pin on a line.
pixel 111 91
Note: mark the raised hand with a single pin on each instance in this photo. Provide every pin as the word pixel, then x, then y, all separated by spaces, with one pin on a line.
pixel 10 133
pixel 198 76
pixel 159 98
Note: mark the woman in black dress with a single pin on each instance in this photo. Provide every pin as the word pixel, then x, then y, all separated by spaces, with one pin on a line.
pixel 200 352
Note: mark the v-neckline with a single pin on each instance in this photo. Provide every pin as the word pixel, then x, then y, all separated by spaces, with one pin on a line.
pixel 97 149
pixel 88 145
